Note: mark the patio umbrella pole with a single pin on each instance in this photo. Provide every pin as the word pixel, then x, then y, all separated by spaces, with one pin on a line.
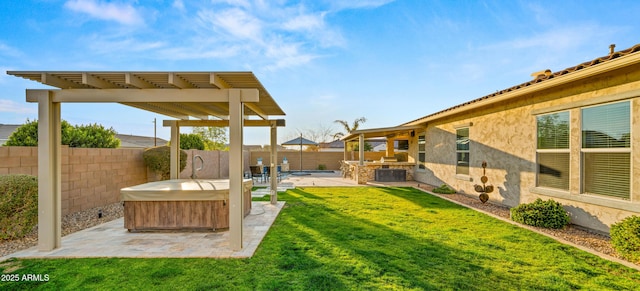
pixel 300 141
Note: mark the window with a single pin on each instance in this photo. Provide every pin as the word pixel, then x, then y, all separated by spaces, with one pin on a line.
pixel 462 151
pixel 552 151
pixel 606 150
pixel 422 151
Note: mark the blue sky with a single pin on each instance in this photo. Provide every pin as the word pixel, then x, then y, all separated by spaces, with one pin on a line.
pixel 322 60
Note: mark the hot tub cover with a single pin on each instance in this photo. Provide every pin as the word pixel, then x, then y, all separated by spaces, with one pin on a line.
pixel 181 190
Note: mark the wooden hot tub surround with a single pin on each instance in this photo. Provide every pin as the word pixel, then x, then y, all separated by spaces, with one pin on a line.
pixel 184 204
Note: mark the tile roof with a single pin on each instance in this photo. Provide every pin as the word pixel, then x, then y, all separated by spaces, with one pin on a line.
pixel 543 77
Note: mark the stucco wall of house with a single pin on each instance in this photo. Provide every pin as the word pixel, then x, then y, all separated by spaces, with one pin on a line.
pixel 504 135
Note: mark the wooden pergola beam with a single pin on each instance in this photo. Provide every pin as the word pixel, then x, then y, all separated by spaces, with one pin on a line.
pixel 223 123
pixel 142 95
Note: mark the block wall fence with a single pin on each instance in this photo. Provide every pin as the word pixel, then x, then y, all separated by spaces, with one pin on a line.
pixel 94 177
pixel 90 177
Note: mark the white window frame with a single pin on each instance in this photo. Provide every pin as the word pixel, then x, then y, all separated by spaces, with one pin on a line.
pixel 422 167
pixel 467 151
pixel 560 151
pixel 629 150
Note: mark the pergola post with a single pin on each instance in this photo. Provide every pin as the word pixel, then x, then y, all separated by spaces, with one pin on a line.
pixel 390 147
pixel 49 174
pixel 344 156
pixel 236 215
pixel 274 163
pixel 361 148
pixel 175 152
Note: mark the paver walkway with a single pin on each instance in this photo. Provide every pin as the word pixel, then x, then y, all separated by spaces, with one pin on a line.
pixel 111 239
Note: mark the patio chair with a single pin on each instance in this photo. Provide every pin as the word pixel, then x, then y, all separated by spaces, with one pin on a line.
pixel 267 173
pixel 256 173
pixel 279 173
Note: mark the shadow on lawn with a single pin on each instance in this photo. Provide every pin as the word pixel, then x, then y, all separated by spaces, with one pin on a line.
pixel 345 251
pixel 418 197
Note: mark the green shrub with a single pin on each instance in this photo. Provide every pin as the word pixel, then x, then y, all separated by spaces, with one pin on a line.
pixel 18 205
pixel 191 141
pixel 93 136
pixel 547 214
pixel 625 238
pixel 26 135
pixel 81 136
pixel 444 189
pixel 158 159
pixel 322 167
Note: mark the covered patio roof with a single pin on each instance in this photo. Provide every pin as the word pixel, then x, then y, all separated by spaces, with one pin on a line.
pixel 388 132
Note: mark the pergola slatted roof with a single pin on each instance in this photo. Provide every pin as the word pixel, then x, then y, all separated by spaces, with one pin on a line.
pixel 201 109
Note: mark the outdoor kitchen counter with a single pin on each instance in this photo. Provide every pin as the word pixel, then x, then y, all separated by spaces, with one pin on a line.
pixel 366 173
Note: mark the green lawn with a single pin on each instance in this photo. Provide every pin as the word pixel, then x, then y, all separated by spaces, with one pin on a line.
pixel 360 238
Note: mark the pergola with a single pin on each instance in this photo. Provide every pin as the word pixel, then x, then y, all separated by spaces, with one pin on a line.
pixel 193 98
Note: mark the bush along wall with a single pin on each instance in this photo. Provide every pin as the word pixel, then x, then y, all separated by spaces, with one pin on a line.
pixel 158 159
pixel 625 238
pixel 18 205
pixel 547 214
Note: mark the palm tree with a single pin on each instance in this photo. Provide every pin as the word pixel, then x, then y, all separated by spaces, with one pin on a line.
pixel 347 128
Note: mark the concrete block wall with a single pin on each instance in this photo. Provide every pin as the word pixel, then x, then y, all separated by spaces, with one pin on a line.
pixel 94 177
pixel 90 177
pixel 19 160
pixel 216 164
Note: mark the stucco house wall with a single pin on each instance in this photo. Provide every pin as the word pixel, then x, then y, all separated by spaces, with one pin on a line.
pixel 504 135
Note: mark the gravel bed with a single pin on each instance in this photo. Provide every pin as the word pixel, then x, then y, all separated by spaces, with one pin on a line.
pixel 70 223
pixel 584 237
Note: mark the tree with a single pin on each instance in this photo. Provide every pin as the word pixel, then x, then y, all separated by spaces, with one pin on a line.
pixel 349 129
pixel 367 147
pixel 82 136
pixel 215 138
pixel 191 141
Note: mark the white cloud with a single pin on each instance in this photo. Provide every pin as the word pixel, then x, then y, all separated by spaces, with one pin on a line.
pixel 305 22
pixel 236 3
pixel 178 4
pixel 121 13
pixel 13 107
pixel 269 35
pixel 105 44
pixel 239 23
pixel 355 4
pixel 555 39
pixel 9 51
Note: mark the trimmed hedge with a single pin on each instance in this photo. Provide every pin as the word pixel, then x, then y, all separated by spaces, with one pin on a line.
pixel 625 238
pixel 158 159
pixel 18 205
pixel 547 214
pixel 444 189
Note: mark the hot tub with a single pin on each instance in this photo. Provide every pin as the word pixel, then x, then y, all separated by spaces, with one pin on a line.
pixel 180 204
